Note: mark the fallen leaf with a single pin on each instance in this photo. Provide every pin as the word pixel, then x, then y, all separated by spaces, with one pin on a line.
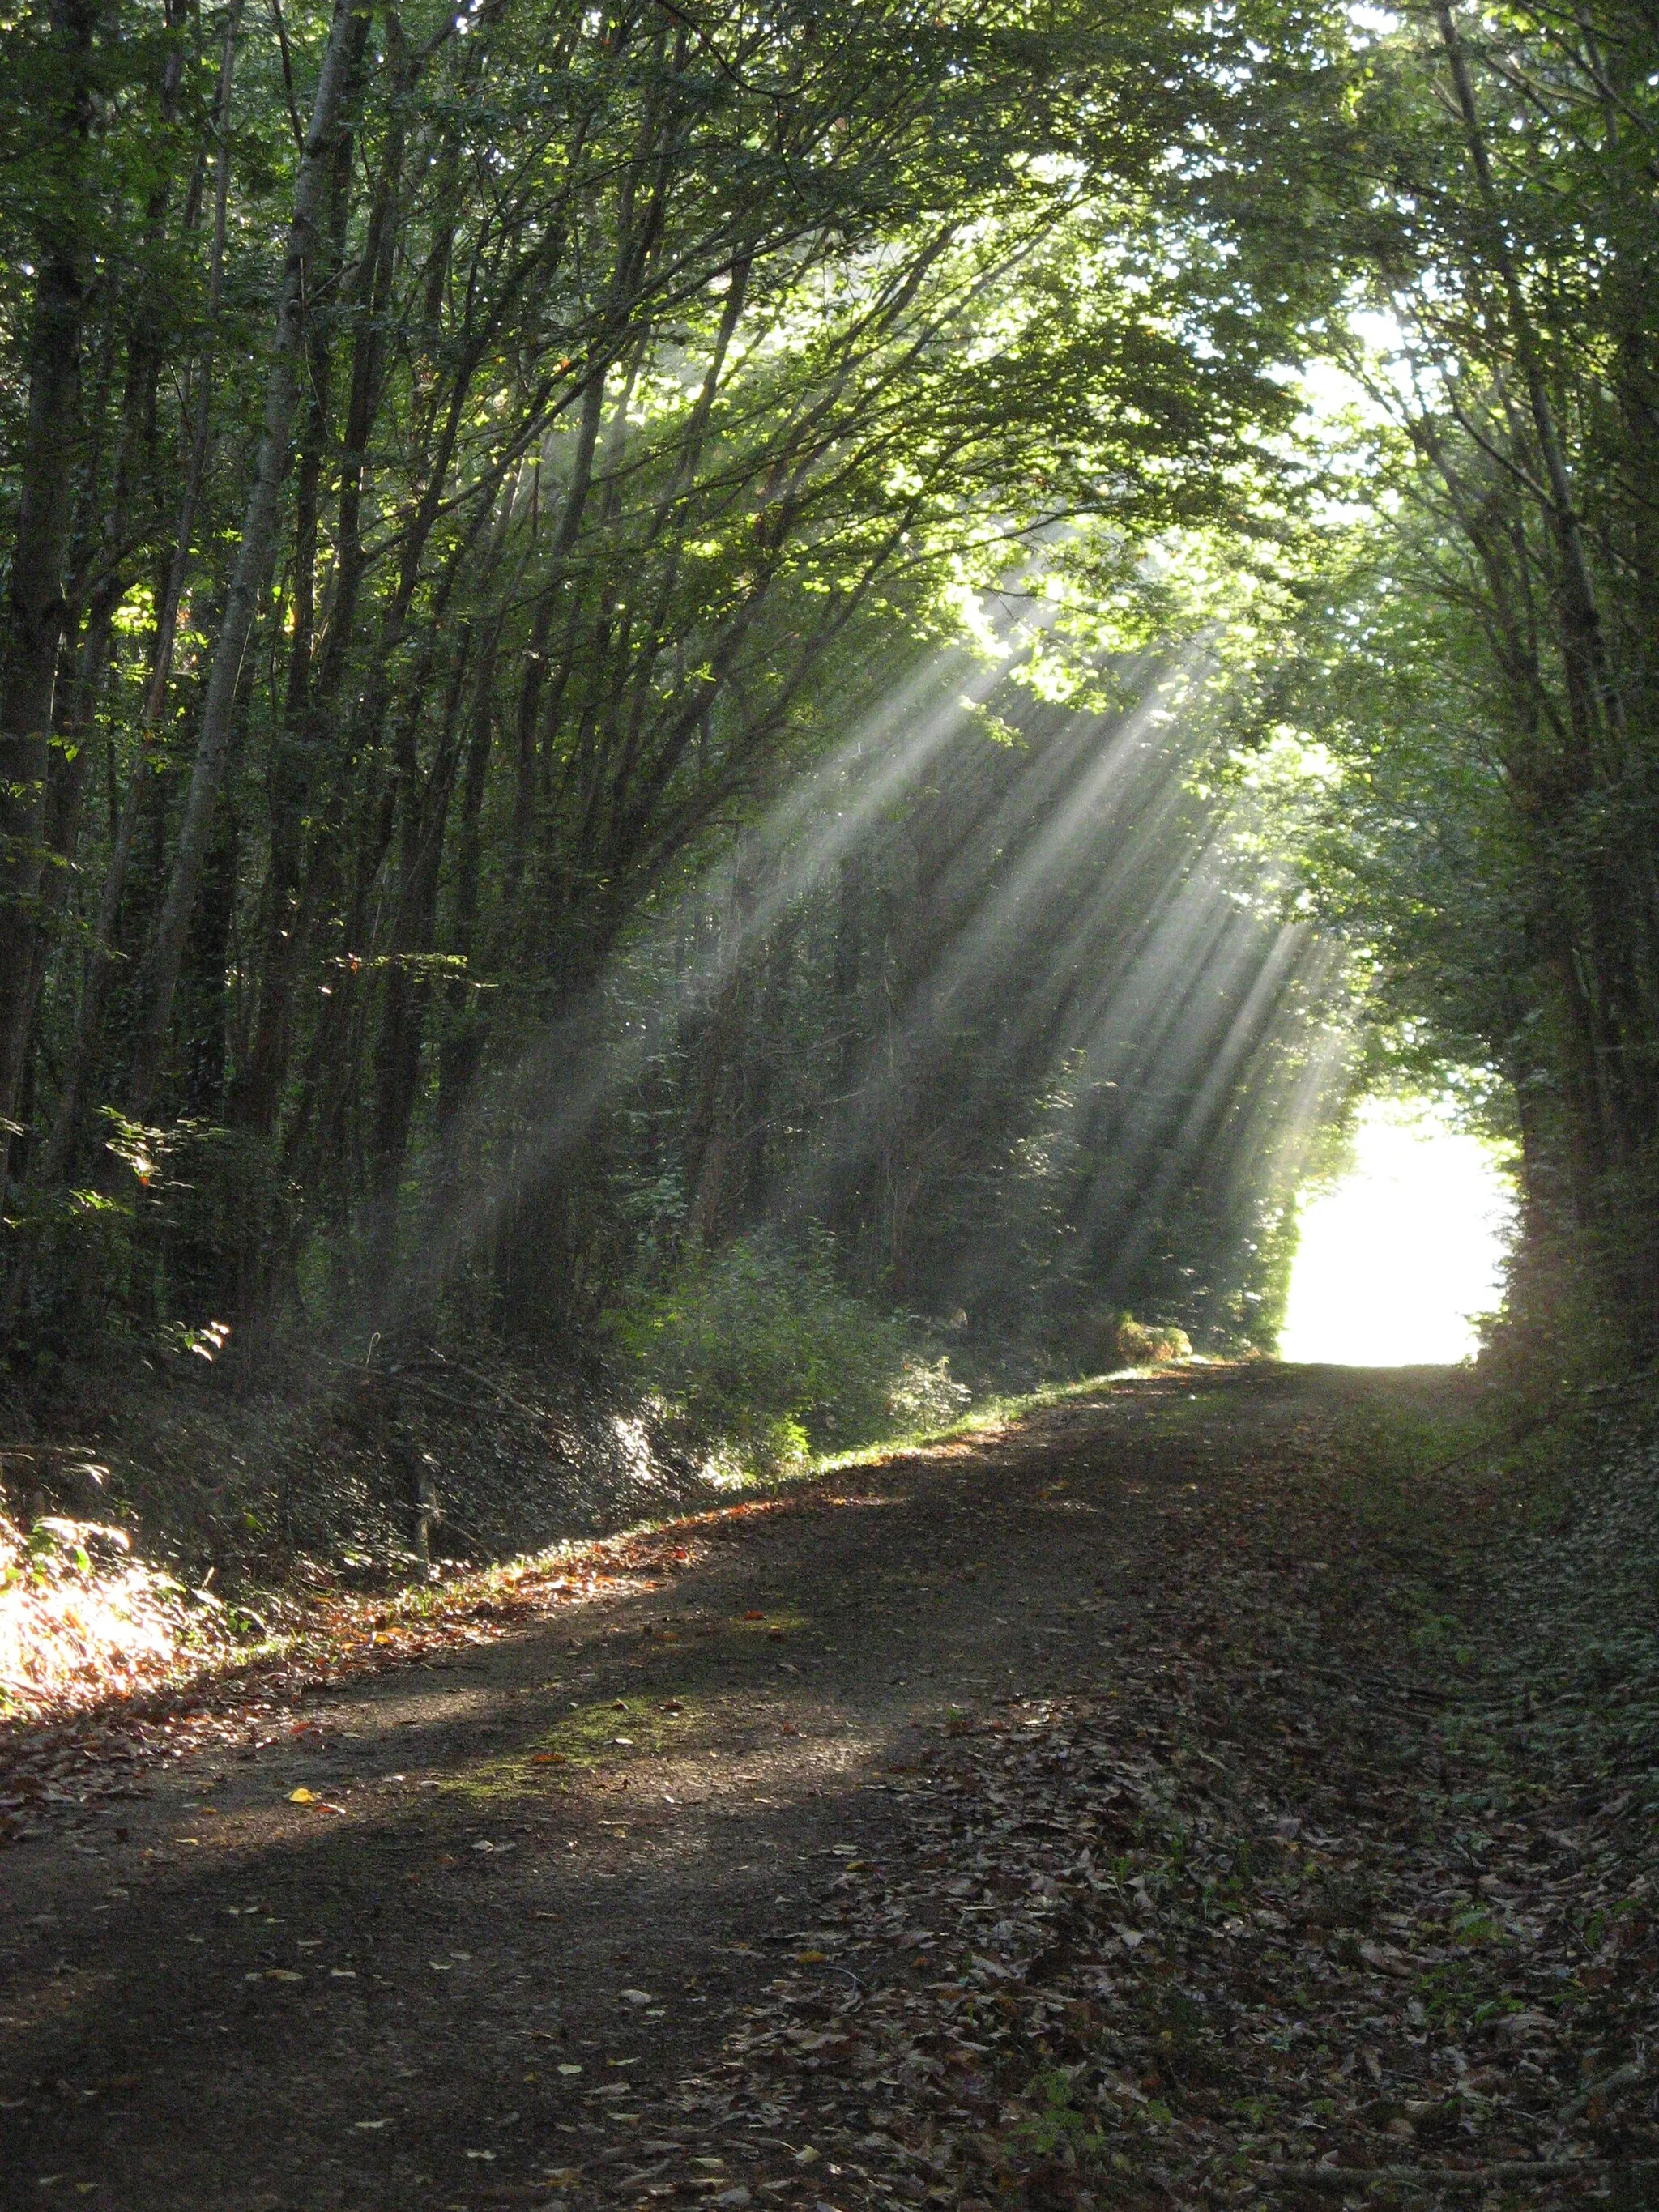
pixel 1385 1960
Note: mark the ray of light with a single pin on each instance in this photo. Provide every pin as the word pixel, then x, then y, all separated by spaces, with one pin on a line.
pixel 1119 933
pixel 1094 832
pixel 1256 979
pixel 553 1093
pixel 1114 939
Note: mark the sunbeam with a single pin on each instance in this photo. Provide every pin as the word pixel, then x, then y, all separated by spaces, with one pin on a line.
pixel 555 1088
pixel 1081 920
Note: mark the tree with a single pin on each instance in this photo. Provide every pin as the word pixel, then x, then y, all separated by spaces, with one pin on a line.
pixel 1482 666
pixel 641 393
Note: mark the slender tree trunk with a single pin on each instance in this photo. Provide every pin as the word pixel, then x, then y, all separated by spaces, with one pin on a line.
pixel 90 1011
pixel 334 838
pixel 766 1059
pixel 535 667
pixel 1585 644
pixel 34 610
pixel 314 704
pixel 254 552
pixel 714 1135
pixel 460 1050
pixel 1611 1007
pixel 103 565
pixel 425 818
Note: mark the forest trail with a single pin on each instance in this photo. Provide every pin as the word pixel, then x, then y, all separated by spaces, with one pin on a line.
pixel 1076 1813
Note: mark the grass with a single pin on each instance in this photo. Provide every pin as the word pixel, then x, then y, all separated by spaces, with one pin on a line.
pixel 612 1732
pixel 1396 1449
pixel 995 1413
pixel 589 1738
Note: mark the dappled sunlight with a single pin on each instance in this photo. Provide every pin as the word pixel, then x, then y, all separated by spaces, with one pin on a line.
pixel 1395 1259
pixel 828 1133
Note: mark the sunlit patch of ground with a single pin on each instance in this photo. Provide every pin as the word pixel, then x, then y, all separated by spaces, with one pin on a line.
pixel 81 1619
pixel 81 1633
pixel 77 1639
pixel 1395 1259
pixel 1013 1840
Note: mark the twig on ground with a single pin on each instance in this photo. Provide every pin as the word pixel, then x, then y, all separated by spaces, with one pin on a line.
pixel 1622 2077
pixel 1454 2176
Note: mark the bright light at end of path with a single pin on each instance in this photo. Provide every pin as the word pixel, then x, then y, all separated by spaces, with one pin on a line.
pixel 1395 1258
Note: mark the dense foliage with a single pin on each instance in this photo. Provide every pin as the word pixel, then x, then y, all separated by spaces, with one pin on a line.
pixel 460 472
pixel 617 621
pixel 1475 655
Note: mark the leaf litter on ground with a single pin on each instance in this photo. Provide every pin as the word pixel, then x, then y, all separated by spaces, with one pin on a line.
pixel 92 1711
pixel 1330 1881
pixel 1328 1878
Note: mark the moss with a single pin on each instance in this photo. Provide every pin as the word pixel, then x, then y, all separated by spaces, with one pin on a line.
pixel 578 1743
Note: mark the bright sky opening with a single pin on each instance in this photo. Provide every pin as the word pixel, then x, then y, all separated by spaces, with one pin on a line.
pixel 1395 1257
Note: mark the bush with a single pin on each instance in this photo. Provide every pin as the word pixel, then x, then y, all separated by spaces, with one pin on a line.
pixel 1141 1343
pixel 1106 1339
pixel 761 1353
pixel 179 1229
pixel 924 1395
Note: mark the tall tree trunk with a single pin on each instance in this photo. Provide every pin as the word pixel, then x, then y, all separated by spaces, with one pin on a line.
pixel 314 701
pixel 424 811
pixel 1589 676
pixel 462 1048
pixel 714 1133
pixel 254 554
pixel 333 841
pixel 535 667
pixel 34 611
pixel 90 1011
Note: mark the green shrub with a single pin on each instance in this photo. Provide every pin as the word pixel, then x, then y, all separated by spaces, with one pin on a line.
pixel 1140 1344
pixel 924 1395
pixel 760 1353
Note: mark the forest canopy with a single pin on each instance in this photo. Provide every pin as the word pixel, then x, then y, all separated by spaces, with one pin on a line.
pixel 850 662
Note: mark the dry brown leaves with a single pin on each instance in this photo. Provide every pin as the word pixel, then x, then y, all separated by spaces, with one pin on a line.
pixel 207 1674
pixel 1297 1899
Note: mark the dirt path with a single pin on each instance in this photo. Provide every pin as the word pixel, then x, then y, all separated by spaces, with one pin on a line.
pixel 542 1892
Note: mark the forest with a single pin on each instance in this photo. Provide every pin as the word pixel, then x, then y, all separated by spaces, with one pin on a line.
pixel 735 736
pixel 860 660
